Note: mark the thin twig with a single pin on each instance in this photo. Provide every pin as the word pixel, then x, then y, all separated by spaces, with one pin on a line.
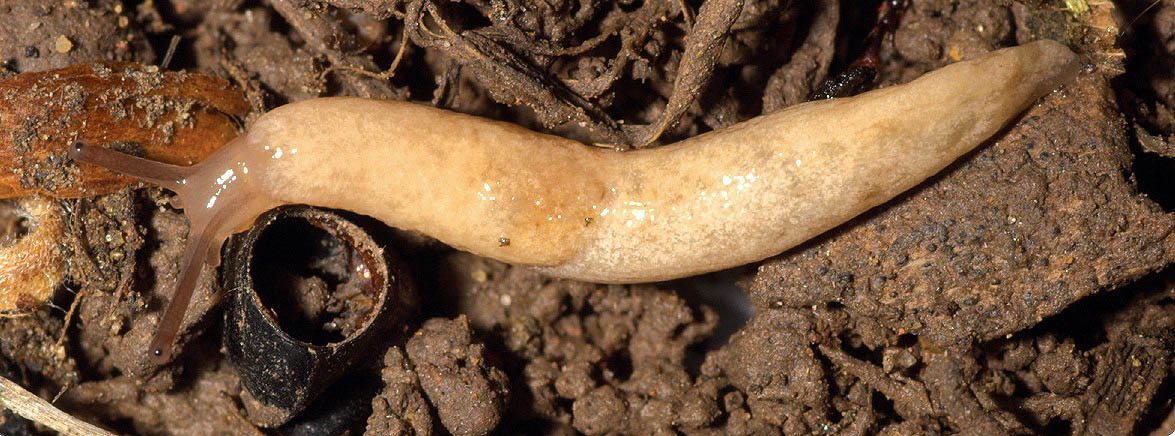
pixel 400 52
pixel 382 76
pixel 171 46
pixel 324 35
pixel 36 409
pixel 73 307
pixel 686 13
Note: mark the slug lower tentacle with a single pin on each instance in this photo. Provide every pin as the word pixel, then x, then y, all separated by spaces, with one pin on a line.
pixel 718 200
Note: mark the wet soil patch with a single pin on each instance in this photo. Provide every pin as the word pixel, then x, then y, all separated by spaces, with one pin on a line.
pixel 1027 289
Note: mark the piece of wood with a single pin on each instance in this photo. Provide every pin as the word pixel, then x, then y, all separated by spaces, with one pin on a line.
pixel 36 409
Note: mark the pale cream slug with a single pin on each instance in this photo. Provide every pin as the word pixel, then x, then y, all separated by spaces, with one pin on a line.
pixel 718 200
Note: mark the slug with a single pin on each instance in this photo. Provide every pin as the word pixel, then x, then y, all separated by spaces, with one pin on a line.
pixel 714 201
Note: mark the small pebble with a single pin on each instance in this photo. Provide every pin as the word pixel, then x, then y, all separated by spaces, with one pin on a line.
pixel 62 44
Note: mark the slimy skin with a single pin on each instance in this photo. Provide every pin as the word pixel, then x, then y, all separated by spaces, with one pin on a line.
pixel 715 201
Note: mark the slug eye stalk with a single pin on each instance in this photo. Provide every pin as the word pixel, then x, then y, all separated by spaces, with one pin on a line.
pixel 157 173
pixel 172 177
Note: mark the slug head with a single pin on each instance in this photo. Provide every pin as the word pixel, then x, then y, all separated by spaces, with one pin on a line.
pixel 218 197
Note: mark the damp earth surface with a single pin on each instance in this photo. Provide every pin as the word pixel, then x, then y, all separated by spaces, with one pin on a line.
pixel 1027 289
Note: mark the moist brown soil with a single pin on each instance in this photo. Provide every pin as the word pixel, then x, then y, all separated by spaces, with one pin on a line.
pixel 1027 289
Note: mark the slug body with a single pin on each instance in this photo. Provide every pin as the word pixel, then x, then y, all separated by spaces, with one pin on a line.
pixel 718 200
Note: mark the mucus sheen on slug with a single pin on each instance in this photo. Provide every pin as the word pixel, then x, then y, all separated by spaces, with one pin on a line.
pixel 715 201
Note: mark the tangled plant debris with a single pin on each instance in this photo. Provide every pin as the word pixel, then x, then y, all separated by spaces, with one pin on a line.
pixel 1016 293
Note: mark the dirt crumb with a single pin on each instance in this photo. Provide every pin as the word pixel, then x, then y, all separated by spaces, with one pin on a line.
pixel 770 360
pixel 600 411
pixel 469 393
pixel 400 408
pixel 205 408
pixel 30 40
